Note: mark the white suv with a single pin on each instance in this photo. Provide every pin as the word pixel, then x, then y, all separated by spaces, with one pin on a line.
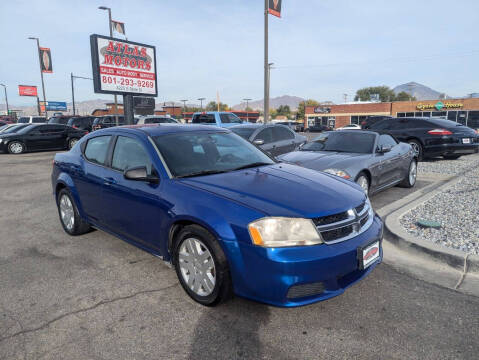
pixel 32 120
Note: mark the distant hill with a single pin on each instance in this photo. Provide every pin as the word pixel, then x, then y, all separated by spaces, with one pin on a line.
pixel 274 103
pixel 419 91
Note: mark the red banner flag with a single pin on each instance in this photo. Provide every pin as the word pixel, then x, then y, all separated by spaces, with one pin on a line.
pixel 275 7
pixel 27 90
pixel 46 60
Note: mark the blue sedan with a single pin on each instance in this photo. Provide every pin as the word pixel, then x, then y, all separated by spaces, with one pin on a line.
pixel 228 217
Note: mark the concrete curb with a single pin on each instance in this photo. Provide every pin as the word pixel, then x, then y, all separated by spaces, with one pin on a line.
pixel 394 232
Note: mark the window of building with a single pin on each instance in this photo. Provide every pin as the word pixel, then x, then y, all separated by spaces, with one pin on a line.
pixel 439 113
pixel 400 114
pixel 452 115
pixel 418 114
pixel 426 114
pixel 473 119
pixel 462 117
pixel 409 114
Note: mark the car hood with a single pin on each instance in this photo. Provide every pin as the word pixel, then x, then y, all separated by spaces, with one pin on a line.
pixel 322 160
pixel 283 190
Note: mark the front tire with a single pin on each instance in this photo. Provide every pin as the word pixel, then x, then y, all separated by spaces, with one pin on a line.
pixel 417 149
pixel 16 147
pixel 410 180
pixel 363 181
pixel 201 266
pixel 70 219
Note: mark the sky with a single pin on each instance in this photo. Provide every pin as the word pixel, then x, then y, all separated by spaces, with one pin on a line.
pixel 321 49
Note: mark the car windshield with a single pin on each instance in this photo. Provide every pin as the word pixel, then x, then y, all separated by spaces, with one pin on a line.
pixel 203 153
pixel 14 129
pixel 342 142
pixel 245 132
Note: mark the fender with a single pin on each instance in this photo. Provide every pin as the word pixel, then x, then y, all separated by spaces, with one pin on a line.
pixel 67 181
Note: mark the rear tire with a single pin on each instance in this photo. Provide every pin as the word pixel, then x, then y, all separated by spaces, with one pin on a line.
pixel 16 147
pixel 451 157
pixel 410 180
pixel 70 219
pixel 201 266
pixel 417 148
pixel 71 143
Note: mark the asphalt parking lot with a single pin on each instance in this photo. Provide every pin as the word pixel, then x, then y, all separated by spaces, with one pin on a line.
pixel 97 297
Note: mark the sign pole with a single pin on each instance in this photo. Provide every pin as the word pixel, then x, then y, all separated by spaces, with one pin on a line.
pixel 41 74
pixel 266 66
pixel 73 94
pixel 128 109
pixel 38 106
pixel 115 97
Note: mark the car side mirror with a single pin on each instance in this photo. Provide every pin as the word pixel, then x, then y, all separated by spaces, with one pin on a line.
pixel 384 149
pixel 140 173
pixel 258 142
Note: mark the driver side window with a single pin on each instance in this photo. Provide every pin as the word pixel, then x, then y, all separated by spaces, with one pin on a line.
pixel 130 153
pixel 266 135
pixel 387 140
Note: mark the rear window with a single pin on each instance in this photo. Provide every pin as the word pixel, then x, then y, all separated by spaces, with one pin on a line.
pixel 23 120
pixel 97 148
pixel 443 123
pixel 204 119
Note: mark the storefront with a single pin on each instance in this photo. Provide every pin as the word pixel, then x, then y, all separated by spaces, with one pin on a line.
pixel 464 111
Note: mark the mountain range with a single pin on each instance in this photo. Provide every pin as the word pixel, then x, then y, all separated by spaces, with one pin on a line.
pixel 274 103
pixel 419 91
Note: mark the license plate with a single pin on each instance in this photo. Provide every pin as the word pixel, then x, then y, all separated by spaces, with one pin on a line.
pixel 466 141
pixel 369 254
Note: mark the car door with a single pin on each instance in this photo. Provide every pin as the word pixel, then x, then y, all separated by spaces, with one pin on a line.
pixel 268 141
pixel 88 176
pixel 131 208
pixel 33 138
pixel 284 139
pixel 52 137
pixel 390 162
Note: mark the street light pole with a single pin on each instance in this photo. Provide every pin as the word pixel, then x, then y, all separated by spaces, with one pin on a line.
pixel 247 112
pixel 41 72
pixel 201 99
pixel 270 66
pixel 73 89
pixel 184 107
pixel 6 97
pixel 111 35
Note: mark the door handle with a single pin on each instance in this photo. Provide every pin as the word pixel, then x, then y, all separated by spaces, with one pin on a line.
pixel 109 181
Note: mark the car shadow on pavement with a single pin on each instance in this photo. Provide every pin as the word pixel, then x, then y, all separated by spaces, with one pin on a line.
pixel 231 331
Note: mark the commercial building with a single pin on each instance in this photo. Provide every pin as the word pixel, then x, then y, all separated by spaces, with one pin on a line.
pixel 464 111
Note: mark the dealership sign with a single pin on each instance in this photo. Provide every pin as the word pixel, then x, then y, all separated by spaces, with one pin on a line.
pixel 27 90
pixel 123 67
pixel 439 106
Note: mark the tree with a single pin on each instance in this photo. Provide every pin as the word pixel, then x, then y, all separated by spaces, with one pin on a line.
pixel 385 93
pixel 283 110
pixel 404 96
pixel 212 106
pixel 302 105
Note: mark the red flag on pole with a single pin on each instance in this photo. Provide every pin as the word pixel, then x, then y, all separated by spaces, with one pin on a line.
pixel 46 60
pixel 275 7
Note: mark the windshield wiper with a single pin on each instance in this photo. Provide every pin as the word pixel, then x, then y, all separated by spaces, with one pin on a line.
pixel 205 172
pixel 252 165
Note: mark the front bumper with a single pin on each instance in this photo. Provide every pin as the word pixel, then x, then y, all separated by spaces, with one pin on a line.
pixel 267 274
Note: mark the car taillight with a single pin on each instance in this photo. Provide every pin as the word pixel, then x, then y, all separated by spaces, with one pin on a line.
pixel 439 132
pixel 75 127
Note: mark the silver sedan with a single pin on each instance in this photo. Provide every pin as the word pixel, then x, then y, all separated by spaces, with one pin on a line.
pixel 376 162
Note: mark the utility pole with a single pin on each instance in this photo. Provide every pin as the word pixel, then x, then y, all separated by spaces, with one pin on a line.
pixel 184 108
pixel 6 97
pixel 345 98
pixel 111 35
pixel 266 64
pixel 247 112
pixel 72 77
pixel 201 99
pixel 41 72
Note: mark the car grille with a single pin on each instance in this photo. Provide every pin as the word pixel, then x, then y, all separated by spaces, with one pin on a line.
pixel 346 225
pixel 303 290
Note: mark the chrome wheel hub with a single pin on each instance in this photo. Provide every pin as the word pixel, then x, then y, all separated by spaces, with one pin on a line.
pixel 16 148
pixel 363 182
pixel 415 148
pixel 67 212
pixel 73 142
pixel 412 173
pixel 197 267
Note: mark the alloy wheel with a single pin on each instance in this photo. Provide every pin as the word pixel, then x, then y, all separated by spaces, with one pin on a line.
pixel 73 142
pixel 67 212
pixel 197 267
pixel 412 173
pixel 363 182
pixel 415 148
pixel 16 148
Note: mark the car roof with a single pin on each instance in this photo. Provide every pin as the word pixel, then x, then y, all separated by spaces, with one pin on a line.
pixel 164 128
pixel 252 126
pixel 212 112
pixel 353 132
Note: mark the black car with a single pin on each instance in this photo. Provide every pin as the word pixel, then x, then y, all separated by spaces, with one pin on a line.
pixel 272 138
pixel 431 137
pixel 82 122
pixel 40 137
pixel 317 128
pixel 63 120
pixel 371 120
pixel 103 122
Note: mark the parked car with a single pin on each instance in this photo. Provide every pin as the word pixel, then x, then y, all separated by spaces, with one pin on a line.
pixel 431 137
pixel 103 122
pixel 40 137
pixel 60 119
pixel 373 119
pixel 273 138
pixel 154 119
pixel 222 119
pixel 318 128
pixel 350 127
pixel 32 120
pixel 375 162
pixel 82 122
pixel 227 216
pixel 293 125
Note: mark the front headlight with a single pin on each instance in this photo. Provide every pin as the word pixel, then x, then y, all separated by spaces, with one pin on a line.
pixel 1 141
pixel 337 172
pixel 283 232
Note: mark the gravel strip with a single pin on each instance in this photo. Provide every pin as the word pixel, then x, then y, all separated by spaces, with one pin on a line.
pixel 457 208
pixel 449 167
